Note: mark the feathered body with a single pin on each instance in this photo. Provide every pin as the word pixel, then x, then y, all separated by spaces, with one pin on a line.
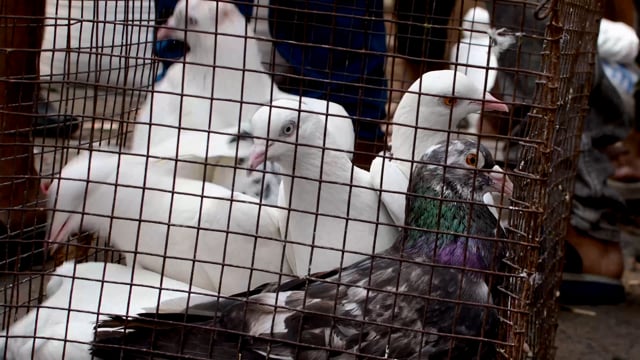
pixel 393 305
pixel 319 181
pixel 63 324
pixel 174 226
pixel 479 46
pixel 221 68
pixel 219 87
pixel 474 49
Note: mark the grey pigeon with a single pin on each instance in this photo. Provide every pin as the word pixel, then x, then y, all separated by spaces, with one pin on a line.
pixel 396 304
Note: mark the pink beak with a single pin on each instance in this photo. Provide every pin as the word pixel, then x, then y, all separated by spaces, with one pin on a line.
pixel 166 31
pixel 44 186
pixel 493 104
pixel 501 182
pixel 257 156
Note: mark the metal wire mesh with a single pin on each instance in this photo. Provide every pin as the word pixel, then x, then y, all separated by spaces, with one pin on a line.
pixel 99 62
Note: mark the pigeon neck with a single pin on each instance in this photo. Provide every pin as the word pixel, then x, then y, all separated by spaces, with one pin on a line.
pixel 307 167
pixel 308 160
pixel 441 219
pixel 434 129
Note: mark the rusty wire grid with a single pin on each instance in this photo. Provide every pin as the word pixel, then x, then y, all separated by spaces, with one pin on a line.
pixel 98 63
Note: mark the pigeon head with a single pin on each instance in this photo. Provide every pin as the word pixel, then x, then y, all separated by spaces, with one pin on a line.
pixel 433 105
pixel 72 194
pixel 201 19
pixel 449 185
pixel 286 130
pixel 476 19
pixel 459 176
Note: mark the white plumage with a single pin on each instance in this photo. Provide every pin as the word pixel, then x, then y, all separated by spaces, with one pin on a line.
pixel 617 42
pixel 326 182
pixel 426 114
pixel 473 49
pixel 63 323
pixel 157 217
pixel 228 69
pixel 479 47
pixel 223 63
pixel 339 124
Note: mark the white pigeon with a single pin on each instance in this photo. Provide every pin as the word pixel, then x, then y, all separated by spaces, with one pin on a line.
pixel 473 49
pixel 63 324
pixel 178 227
pixel 426 114
pixel 230 71
pixel 479 46
pixel 319 178
pixel 222 63
pixel 265 184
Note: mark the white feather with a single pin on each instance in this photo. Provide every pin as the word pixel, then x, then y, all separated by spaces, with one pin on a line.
pixel 231 66
pixel 386 175
pixel 473 49
pixel 63 323
pixel 189 218
pixel 211 70
pixel 339 124
pixel 307 196
pixel 617 42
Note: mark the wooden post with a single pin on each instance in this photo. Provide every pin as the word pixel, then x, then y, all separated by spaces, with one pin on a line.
pixel 20 40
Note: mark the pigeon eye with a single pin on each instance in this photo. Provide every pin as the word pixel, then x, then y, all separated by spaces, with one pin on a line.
pixel 288 128
pixel 192 21
pixel 449 101
pixel 472 159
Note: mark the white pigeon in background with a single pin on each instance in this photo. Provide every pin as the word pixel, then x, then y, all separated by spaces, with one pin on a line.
pixel 230 71
pixel 319 178
pixel 479 47
pixel 617 42
pixel 63 324
pixel 222 63
pixel 181 228
pixel 474 49
pixel 426 114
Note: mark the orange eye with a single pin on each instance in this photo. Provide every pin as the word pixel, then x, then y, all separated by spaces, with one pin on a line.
pixel 449 101
pixel 472 159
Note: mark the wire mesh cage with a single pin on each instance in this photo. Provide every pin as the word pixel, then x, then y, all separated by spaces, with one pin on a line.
pixel 196 159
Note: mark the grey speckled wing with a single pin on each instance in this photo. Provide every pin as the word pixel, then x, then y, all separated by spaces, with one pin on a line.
pixel 370 318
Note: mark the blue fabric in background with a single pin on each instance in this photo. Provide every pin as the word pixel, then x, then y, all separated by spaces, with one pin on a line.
pixel 167 50
pixel 336 48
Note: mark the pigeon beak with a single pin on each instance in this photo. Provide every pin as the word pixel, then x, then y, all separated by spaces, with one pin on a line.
pixel 258 155
pixel 44 186
pixel 166 31
pixel 163 34
pixel 58 236
pixel 501 182
pixel 492 104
